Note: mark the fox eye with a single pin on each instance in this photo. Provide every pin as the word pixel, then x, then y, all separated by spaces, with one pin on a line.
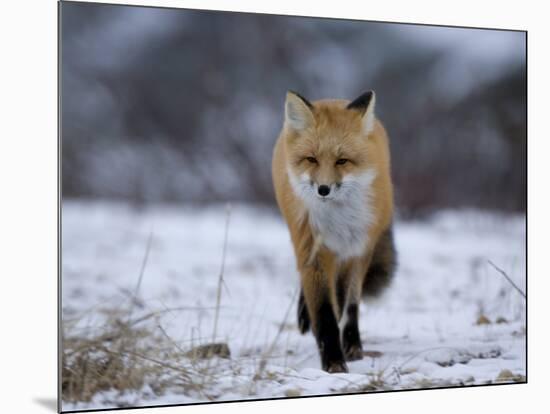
pixel 312 160
pixel 341 161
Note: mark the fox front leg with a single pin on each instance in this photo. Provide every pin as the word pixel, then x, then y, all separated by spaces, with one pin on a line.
pixel 319 299
pixel 351 339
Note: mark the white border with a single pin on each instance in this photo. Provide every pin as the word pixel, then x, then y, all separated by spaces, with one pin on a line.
pixel 28 178
pixel 455 13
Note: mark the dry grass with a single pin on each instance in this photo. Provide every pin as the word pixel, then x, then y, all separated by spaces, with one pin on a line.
pixel 135 358
pixel 126 354
pixel 123 356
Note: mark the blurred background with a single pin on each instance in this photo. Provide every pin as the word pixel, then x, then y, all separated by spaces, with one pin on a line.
pixel 162 105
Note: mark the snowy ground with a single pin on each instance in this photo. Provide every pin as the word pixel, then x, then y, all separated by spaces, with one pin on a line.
pixel 422 333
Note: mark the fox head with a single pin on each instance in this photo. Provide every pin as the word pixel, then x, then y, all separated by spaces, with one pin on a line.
pixel 329 146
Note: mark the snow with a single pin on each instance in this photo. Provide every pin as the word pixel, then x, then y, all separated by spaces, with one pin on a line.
pixel 421 333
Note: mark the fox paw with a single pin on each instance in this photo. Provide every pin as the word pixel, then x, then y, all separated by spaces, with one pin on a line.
pixel 354 353
pixel 337 367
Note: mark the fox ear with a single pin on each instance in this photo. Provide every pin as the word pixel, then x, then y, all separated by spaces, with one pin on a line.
pixel 365 105
pixel 298 115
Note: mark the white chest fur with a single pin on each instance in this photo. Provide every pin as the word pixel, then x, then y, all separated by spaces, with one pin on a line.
pixel 342 221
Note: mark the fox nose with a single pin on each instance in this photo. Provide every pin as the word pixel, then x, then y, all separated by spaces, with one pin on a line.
pixel 323 190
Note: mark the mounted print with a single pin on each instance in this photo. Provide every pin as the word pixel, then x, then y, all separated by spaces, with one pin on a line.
pixel 260 206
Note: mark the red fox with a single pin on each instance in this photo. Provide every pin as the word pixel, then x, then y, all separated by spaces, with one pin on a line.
pixel 331 173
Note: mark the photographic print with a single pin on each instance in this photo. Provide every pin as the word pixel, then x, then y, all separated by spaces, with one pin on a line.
pixel 260 206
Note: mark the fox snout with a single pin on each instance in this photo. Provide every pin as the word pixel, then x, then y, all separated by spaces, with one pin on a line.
pixel 325 191
pixel 325 182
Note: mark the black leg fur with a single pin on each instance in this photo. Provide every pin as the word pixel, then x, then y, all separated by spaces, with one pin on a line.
pixel 351 339
pixel 328 340
pixel 303 317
